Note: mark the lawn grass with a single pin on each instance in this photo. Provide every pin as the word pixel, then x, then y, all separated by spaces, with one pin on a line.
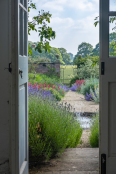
pixel 67 72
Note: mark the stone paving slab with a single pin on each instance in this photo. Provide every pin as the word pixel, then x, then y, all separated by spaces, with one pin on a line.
pixel 72 161
pixel 79 103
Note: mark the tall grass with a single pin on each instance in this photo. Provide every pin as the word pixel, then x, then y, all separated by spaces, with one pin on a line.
pixel 94 136
pixel 51 128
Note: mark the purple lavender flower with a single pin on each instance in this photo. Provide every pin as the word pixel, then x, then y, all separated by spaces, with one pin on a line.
pixel 43 93
pixel 89 97
pixel 64 87
pixel 73 88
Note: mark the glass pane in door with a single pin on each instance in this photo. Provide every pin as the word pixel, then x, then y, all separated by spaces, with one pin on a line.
pixel 20 31
pixel 112 36
pixel 112 5
pixel 25 33
pixel 21 1
pixel 25 3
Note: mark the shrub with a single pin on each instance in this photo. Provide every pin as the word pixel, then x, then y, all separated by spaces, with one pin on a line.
pixel 87 70
pixel 79 83
pixel 89 83
pixel 94 136
pixel 42 78
pixel 95 93
pixel 56 91
pixel 73 80
pixel 51 128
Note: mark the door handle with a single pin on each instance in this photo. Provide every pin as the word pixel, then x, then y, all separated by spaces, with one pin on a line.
pixel 20 72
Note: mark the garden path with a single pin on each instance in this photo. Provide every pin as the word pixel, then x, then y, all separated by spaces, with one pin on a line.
pixel 78 102
pixel 74 160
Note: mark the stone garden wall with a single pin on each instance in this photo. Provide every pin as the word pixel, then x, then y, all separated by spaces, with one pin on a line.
pixel 47 68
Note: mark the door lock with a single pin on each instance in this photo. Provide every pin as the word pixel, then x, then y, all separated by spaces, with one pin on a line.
pixel 20 72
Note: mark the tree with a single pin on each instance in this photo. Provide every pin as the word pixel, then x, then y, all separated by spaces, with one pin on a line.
pixel 65 56
pixel 45 32
pixel 52 54
pixel 113 48
pixel 78 60
pixel 95 51
pixel 71 56
pixel 87 70
pixel 84 49
pixel 112 37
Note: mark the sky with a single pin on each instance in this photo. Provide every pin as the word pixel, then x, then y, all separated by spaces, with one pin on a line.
pixel 72 20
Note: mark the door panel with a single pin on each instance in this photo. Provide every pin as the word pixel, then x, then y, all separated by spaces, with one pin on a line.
pixel 112 120
pixel 107 93
pixel 23 88
pixel 22 125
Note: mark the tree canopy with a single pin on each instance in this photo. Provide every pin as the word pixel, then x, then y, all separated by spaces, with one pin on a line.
pixel 84 49
pixel 66 57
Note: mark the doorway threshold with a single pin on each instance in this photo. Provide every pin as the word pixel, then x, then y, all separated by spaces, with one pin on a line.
pixel 72 161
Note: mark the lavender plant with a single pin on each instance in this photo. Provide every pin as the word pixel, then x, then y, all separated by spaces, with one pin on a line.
pixel 89 83
pixel 95 93
pixel 52 127
pixel 94 136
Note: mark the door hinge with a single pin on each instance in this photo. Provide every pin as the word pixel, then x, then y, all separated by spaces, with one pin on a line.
pixel 102 68
pixel 103 163
pixel 9 68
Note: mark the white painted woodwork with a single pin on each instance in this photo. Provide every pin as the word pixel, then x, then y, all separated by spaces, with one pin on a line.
pixel 13 88
pixel 107 93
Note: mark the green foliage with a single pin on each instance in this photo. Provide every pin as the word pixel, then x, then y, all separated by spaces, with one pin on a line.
pixel 51 71
pixel 112 19
pixel 73 80
pixel 46 55
pixel 51 129
pixel 65 56
pixel 95 93
pixel 84 49
pixel 56 94
pixel 112 48
pixel 71 56
pixel 87 70
pixel 95 51
pixel 45 32
pixel 112 37
pixel 89 84
pixel 94 59
pixel 94 136
pixel 79 61
pixel 42 78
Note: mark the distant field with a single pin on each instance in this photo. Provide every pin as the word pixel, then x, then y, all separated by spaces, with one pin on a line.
pixel 67 72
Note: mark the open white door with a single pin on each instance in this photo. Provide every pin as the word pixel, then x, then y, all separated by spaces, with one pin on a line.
pixel 107 93
pixel 19 123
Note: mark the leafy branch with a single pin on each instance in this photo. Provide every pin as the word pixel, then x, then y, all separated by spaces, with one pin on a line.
pixel 45 32
pixel 111 20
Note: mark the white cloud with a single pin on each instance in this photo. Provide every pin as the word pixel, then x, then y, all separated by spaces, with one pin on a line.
pixel 71 32
pixel 59 5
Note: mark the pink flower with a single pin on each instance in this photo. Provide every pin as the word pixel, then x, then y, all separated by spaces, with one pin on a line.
pixel 48 86
pixel 38 87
